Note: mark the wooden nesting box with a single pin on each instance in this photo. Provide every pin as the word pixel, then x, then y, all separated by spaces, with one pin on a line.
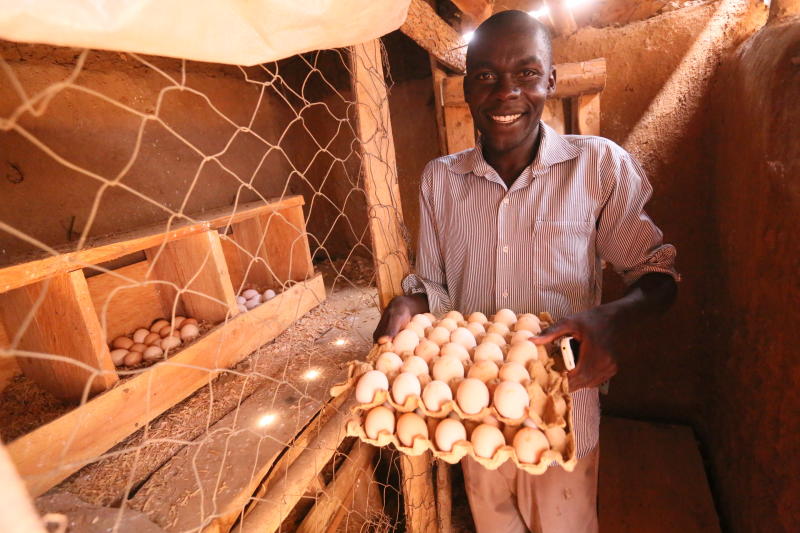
pixel 194 268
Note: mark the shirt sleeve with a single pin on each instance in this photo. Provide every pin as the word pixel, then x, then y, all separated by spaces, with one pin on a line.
pixel 430 276
pixel 626 236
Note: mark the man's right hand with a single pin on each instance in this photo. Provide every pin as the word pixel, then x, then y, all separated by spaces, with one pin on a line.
pixel 397 314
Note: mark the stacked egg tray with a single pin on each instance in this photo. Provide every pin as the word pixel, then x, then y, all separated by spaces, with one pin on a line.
pixel 546 420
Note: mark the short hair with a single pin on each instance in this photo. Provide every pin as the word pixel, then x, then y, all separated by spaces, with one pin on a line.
pixel 503 19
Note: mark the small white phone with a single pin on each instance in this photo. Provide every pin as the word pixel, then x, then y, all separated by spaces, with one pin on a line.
pixel 569 346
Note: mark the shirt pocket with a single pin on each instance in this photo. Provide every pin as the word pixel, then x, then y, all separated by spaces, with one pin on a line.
pixel 564 253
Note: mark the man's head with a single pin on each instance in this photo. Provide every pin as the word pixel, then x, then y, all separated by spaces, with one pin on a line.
pixel 509 76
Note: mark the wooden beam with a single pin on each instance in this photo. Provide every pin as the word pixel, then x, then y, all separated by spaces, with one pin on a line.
pixel 476 11
pixel 444 497
pixel 561 16
pixel 438 75
pixel 19 515
pixel 435 35
pixel 338 491
pixel 379 169
pixel 57 317
pixel 572 79
pixel 281 496
pixel 49 454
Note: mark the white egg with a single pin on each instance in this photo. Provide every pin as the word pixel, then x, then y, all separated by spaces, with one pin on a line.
pixel 411 426
pixel 452 348
pixel 435 395
pixel 478 317
pixel 242 308
pixel 454 315
pixel 472 396
pixel 253 303
pixel 484 370
pixel 447 367
pixel 514 372
pixel 529 322
pixel 379 420
pixel 506 316
pixel 369 384
pixel 448 432
pixel 404 386
pixel 521 335
pixel 439 335
pixel 499 328
pixel 426 349
pixel 415 365
pixel 464 337
pixel 158 324
pixel 249 294
pixel 268 295
pixel 405 341
pixel 557 438
pixel 522 352
pixel 511 400
pixel 530 444
pixel 476 329
pixel 118 356
pixel 132 359
pixel 389 363
pixel 241 300
pixel 140 334
pixel 152 353
pixel 486 440
pixel 168 343
pixel 417 328
pixel 494 338
pixel 488 351
pixel 422 320
pixel 122 342
pixel 447 323
pixel 189 332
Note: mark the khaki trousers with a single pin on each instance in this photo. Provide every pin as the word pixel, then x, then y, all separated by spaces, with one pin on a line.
pixel 508 500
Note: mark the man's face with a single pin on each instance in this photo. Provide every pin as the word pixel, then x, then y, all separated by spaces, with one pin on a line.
pixel 509 77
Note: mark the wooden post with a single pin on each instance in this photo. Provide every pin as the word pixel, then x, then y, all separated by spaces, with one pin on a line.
pixel 64 324
pixel 438 74
pixel 388 243
pixel 444 496
pixel 459 128
pixel 196 264
pixel 588 119
pixel 561 15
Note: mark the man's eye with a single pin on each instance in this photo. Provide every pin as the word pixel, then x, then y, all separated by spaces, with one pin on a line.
pixel 529 73
pixel 483 76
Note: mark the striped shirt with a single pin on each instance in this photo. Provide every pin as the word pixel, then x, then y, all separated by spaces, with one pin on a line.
pixel 539 245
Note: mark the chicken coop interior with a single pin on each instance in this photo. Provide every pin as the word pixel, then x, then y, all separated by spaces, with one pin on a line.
pixel 202 217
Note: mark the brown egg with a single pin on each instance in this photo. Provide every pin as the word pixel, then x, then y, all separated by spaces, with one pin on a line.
pixel 158 325
pixel 138 347
pixel 530 444
pixel 447 367
pixel 166 331
pixel 178 322
pixel 472 396
pixel 152 339
pixel 189 331
pixel 132 359
pixel 140 334
pixel 379 420
pixel 186 321
pixel 483 370
pixel 153 353
pixel 427 349
pixel 448 432
pixel 122 342
pixel 486 440
pixel 118 356
pixel 411 426
pixel 478 317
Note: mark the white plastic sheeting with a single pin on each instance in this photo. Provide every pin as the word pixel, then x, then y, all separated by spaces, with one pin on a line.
pixel 242 32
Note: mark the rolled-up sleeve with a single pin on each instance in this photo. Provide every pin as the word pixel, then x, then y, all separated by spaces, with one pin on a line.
pixel 430 277
pixel 626 236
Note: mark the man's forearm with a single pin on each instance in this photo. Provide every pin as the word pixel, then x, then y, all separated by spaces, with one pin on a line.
pixel 651 295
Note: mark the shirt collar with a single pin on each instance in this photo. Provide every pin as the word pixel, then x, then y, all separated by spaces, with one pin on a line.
pixel 553 148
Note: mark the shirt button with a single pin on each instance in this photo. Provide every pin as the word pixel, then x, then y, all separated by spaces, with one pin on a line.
pixel 505 295
pixel 505 249
pixel 506 201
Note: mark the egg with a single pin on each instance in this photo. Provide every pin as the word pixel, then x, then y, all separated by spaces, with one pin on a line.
pixel 472 396
pixel 557 438
pixel 522 352
pixel 486 440
pixel 166 331
pixel 158 324
pixel 447 367
pixel 168 343
pixel 478 317
pixel 411 426
pixel 178 321
pixel 427 349
pixel 506 316
pixel 499 328
pixel 430 316
pixel 152 353
pixel 488 351
pixel 369 383
pixel 483 370
pixel 132 359
pixel 435 395
pixel 379 420
pixel 530 444
pixel 252 303
pixel 476 329
pixel 521 335
pixel 422 320
pixel 404 386
pixel 241 300
pixel 268 295
pixel 452 348
pixel 186 322
pixel 494 338
pixel 405 341
pixel 118 356
pixel 439 335
pixel 122 342
pixel 138 347
pixel 492 421
pixel 464 337
pixel 415 365
pixel 511 400
pixel 152 338
pixel 528 322
pixel 389 363
pixel 418 329
pixel 242 308
pixel 250 294
pixel 189 331
pixel 454 315
pixel 514 372
pixel 140 334
pixel 448 432
pixel 447 323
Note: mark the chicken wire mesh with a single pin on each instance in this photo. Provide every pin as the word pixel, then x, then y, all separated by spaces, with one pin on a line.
pixel 228 195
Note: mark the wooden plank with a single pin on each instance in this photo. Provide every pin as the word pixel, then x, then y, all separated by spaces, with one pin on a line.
pixel 459 128
pixel 338 491
pixel 572 79
pixel 379 169
pixel 52 452
pixel 282 495
pixel 438 74
pixel 652 479
pixel 418 496
pixel 196 266
pixel 8 363
pixel 286 245
pixel 435 35
pixel 64 324
pixel 444 496
pixel 561 16
pixel 38 266
pixel 588 119
pixel 247 240
pixel 124 300
pixel 19 515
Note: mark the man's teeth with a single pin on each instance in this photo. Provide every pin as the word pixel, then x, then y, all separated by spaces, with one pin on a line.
pixel 505 119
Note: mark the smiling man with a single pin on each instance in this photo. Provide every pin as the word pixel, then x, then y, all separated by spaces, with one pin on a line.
pixel 524 221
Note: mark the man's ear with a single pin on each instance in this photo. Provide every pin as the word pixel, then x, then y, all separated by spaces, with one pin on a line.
pixel 551 81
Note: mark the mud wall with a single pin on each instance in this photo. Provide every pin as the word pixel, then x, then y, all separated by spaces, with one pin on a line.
pixel 752 420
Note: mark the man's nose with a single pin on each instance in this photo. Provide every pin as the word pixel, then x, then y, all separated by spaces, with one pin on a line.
pixel 506 88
